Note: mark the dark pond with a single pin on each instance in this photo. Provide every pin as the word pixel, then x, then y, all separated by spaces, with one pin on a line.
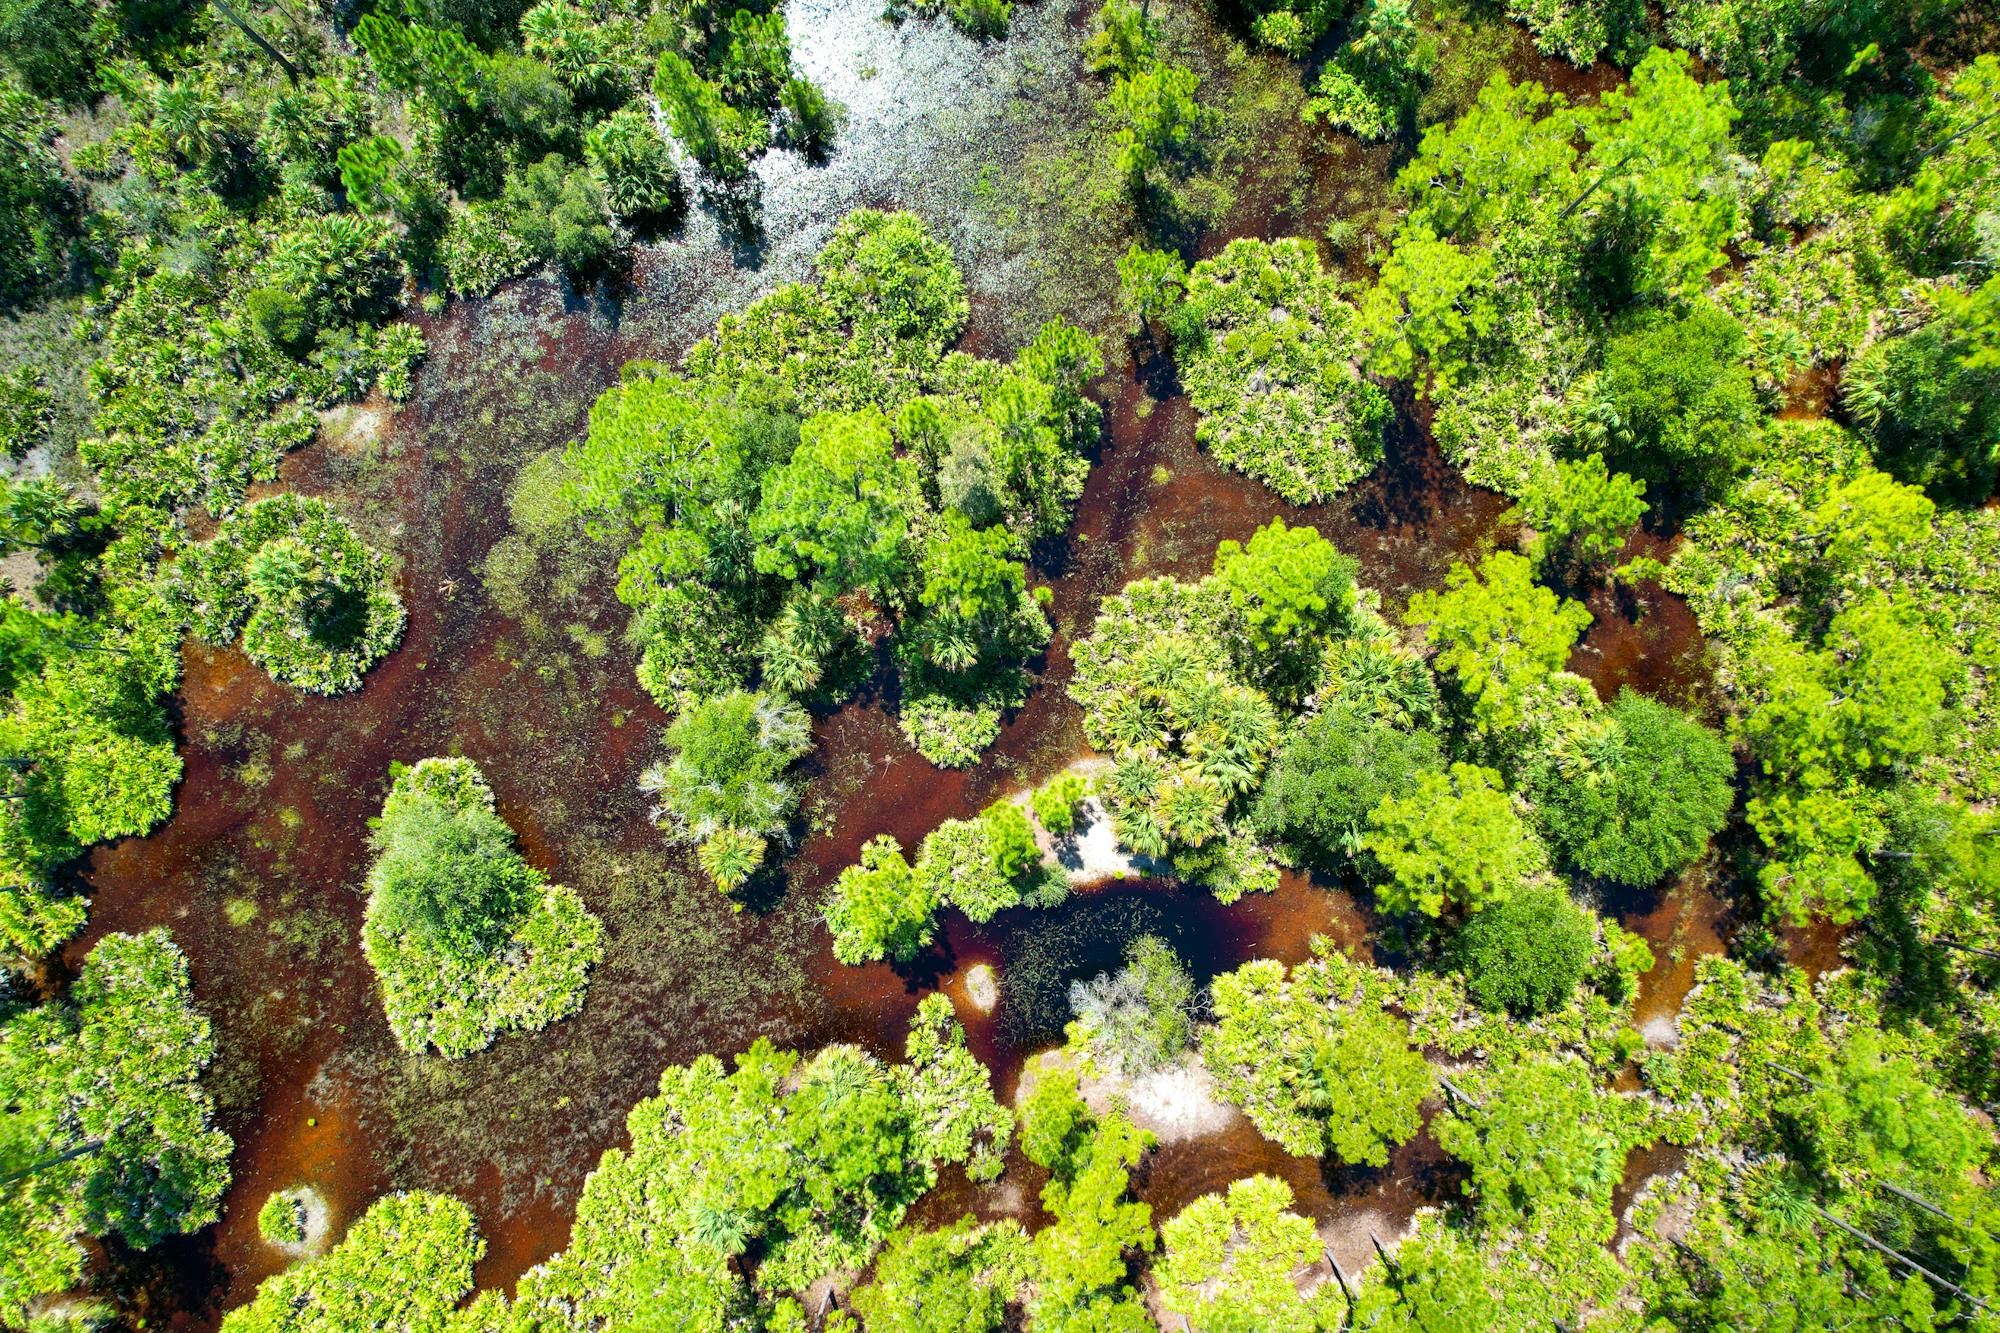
pixel 518 664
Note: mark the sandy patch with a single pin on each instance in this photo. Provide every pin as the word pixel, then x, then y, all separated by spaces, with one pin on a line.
pixel 1091 854
pixel 354 427
pixel 982 988
pixel 1176 1103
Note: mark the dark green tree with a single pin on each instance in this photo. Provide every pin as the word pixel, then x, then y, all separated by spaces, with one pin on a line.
pixel 1527 952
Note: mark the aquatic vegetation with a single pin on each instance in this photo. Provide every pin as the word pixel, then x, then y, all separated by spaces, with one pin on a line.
pixel 1733 282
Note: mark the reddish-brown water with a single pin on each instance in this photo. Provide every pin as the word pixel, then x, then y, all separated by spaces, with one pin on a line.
pixel 258 875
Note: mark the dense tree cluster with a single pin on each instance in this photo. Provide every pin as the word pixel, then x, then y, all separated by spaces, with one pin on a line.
pixel 824 470
pixel 884 906
pixel 1270 353
pixel 468 940
pixel 745 1185
pixel 105 1128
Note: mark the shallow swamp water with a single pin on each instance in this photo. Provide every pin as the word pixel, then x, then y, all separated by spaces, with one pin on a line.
pixel 513 657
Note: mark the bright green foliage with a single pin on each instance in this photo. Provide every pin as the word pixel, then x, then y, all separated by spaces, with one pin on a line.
pixel 314 606
pixel 1139 1018
pixel 1289 586
pixel 1230 1260
pixel 1156 115
pixel 1580 30
pixel 797 1168
pixel 1661 787
pixel 893 281
pixel 822 444
pixel 1432 301
pixel 1544 1142
pixel 1150 283
pixel 1330 774
pixel 1460 1276
pixel 722 139
pixel 1267 350
pixel 282 1219
pixel 879 908
pixel 1456 843
pixel 633 167
pixel 115 1071
pixel 1674 395
pixel 1083 1259
pixel 1055 802
pixel 1319 1066
pixel 406 1264
pixel 1581 512
pixel 1188 739
pixel 1498 633
pixel 882 906
pixel 86 714
pixel 1526 952
pixel 1804 1118
pixel 1660 147
pixel 975 864
pixel 725 790
pixel 466 938
pixel 722 88
pixel 961 1277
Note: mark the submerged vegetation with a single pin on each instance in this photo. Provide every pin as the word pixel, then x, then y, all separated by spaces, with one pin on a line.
pixel 1640 993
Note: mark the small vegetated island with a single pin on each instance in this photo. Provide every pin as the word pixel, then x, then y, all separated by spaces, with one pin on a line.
pixel 1746 294
pixel 466 938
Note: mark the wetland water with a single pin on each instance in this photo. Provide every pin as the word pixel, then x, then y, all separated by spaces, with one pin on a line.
pixel 513 658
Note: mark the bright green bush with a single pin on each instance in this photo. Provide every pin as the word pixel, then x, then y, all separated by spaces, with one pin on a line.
pixel 1455 843
pixel 1267 349
pixel 1319 1068
pixel 406 1264
pixel 1675 399
pixel 724 791
pixel 118 1065
pixel 467 940
pixel 314 606
pixel 1229 1262
pixel 282 1219
pixel 809 1163
pixel 1056 801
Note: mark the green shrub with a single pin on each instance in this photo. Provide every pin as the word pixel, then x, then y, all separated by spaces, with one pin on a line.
pixel 1675 398
pixel 1056 801
pixel 1455 843
pixel 1650 806
pixel 466 938
pixel 1527 952
pixel 279 318
pixel 1267 348
pixel 282 1219
pixel 1330 775
pixel 314 605
pixel 725 783
pixel 1934 420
